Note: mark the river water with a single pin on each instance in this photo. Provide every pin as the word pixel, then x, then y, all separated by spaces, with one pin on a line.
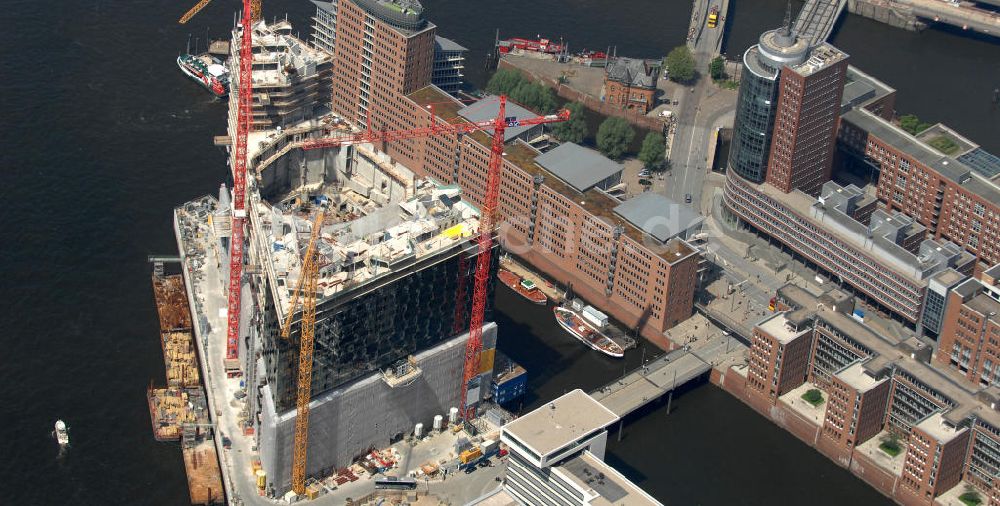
pixel 102 136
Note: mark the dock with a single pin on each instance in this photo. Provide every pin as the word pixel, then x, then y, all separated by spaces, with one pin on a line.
pixel 179 412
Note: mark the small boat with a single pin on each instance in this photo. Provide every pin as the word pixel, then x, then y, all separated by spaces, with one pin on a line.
pixel 62 433
pixel 206 70
pixel 524 287
pixel 572 322
pixel 539 45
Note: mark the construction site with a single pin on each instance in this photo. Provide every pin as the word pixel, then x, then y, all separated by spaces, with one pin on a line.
pixel 179 412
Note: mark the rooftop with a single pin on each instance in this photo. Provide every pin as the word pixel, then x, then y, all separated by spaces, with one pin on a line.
pixel 857 378
pixel 603 485
pixel 561 422
pixel 632 72
pixel 658 215
pixel 443 44
pixel 820 57
pixel 377 220
pixel 281 59
pixel 938 428
pixel 778 327
pixel 404 16
pixel 594 201
pixel 487 108
pixel 580 167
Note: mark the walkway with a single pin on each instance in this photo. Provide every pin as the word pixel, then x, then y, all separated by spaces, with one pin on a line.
pixel 651 382
pixel 816 19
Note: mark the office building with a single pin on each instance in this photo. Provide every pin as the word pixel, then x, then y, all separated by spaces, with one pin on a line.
pixel 970 335
pixel 856 405
pixel 779 356
pixel 557 456
pixel 449 65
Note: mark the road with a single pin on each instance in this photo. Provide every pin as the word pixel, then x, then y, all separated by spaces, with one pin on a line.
pixel 703 106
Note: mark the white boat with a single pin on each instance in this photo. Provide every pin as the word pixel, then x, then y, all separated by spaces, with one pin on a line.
pixel 586 333
pixel 62 433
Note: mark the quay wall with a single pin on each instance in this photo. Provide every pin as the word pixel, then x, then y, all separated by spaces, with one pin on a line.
pixel 861 466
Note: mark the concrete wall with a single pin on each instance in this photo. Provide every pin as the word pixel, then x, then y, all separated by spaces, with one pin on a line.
pixel 366 413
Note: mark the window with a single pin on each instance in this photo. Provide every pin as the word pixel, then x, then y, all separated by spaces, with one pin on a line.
pixel 979 209
pixel 901 181
pixel 904 165
pixel 973 241
pixel 897 197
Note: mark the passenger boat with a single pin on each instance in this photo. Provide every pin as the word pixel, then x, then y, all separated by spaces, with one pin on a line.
pixel 572 322
pixel 539 45
pixel 62 433
pixel 524 287
pixel 207 71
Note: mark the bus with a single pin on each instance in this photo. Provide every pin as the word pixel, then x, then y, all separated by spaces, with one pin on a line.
pixel 395 483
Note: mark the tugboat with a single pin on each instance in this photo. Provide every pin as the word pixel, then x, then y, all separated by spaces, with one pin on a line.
pixel 524 287
pixel 572 322
pixel 207 71
pixel 62 433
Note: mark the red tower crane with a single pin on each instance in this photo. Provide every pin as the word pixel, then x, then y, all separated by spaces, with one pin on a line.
pixel 243 115
pixel 487 218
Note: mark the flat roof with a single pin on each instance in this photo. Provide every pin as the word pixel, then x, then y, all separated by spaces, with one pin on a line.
pixel 580 167
pixel 658 215
pixel 778 327
pixel 596 202
pixel 985 163
pixel 560 422
pixel 855 376
pixel 936 427
pixel 487 108
pixel 447 44
pixel 599 479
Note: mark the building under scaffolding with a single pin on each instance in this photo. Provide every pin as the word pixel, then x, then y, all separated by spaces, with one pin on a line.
pixel 395 252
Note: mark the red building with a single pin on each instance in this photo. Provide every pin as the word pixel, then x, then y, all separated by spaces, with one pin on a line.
pixel 779 357
pixel 631 84
pixel 970 332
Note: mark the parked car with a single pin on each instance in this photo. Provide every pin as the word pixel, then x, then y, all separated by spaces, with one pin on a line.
pixel 644 173
pixel 687 198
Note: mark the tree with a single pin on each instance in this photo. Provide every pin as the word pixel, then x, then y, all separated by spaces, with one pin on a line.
pixel 912 124
pixel 717 68
pixel 652 150
pixel 575 129
pixel 680 64
pixel 504 81
pixel 614 136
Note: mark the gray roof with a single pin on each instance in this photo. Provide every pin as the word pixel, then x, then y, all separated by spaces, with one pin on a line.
pixel 633 72
pixel 487 109
pixel 579 167
pixel 443 44
pixel 657 215
pixel 982 161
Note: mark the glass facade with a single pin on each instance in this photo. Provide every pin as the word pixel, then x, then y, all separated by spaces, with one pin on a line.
pixel 754 122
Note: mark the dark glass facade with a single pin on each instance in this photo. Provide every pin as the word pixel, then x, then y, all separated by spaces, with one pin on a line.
pixel 755 108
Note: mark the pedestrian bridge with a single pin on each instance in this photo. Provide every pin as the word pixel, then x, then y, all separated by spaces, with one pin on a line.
pixel 816 19
pixel 650 382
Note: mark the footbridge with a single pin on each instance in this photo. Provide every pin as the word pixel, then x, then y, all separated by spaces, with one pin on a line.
pixel 651 381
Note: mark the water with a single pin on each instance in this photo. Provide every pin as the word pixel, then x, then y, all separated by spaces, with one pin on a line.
pixel 102 136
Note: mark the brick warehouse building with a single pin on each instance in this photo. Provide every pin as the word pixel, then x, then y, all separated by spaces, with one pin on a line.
pixel 563 225
pixel 631 84
pixel 877 387
pixel 970 336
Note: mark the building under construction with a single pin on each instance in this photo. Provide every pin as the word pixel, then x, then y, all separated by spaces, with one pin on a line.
pixel 397 261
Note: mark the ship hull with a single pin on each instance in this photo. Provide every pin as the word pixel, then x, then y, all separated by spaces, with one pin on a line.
pixel 513 281
pixel 586 333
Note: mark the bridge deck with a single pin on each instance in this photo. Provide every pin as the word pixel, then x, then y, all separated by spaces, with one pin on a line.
pixel 816 19
pixel 647 384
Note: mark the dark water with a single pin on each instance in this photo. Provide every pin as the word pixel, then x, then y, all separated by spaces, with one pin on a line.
pixel 102 136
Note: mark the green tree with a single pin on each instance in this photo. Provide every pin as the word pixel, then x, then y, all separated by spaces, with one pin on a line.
pixel 504 81
pixel 912 124
pixel 717 68
pixel 680 64
pixel 614 136
pixel 652 151
pixel 575 129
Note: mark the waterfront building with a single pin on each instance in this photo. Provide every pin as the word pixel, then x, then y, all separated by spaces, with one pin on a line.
pixel 970 336
pixel 882 256
pixel 291 79
pixel 786 114
pixel 882 395
pixel 955 198
pixel 449 65
pixel 557 456
pixel 631 84
pixel 559 217
pixel 779 356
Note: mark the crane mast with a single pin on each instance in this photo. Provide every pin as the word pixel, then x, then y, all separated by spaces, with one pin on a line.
pixel 306 292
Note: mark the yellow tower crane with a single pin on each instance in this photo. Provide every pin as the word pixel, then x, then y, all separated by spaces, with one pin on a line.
pixel 254 10
pixel 306 292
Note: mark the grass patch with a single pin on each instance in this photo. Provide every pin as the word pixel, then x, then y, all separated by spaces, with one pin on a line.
pixel 813 396
pixel 944 144
pixel 891 447
pixel 971 498
pixel 727 84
